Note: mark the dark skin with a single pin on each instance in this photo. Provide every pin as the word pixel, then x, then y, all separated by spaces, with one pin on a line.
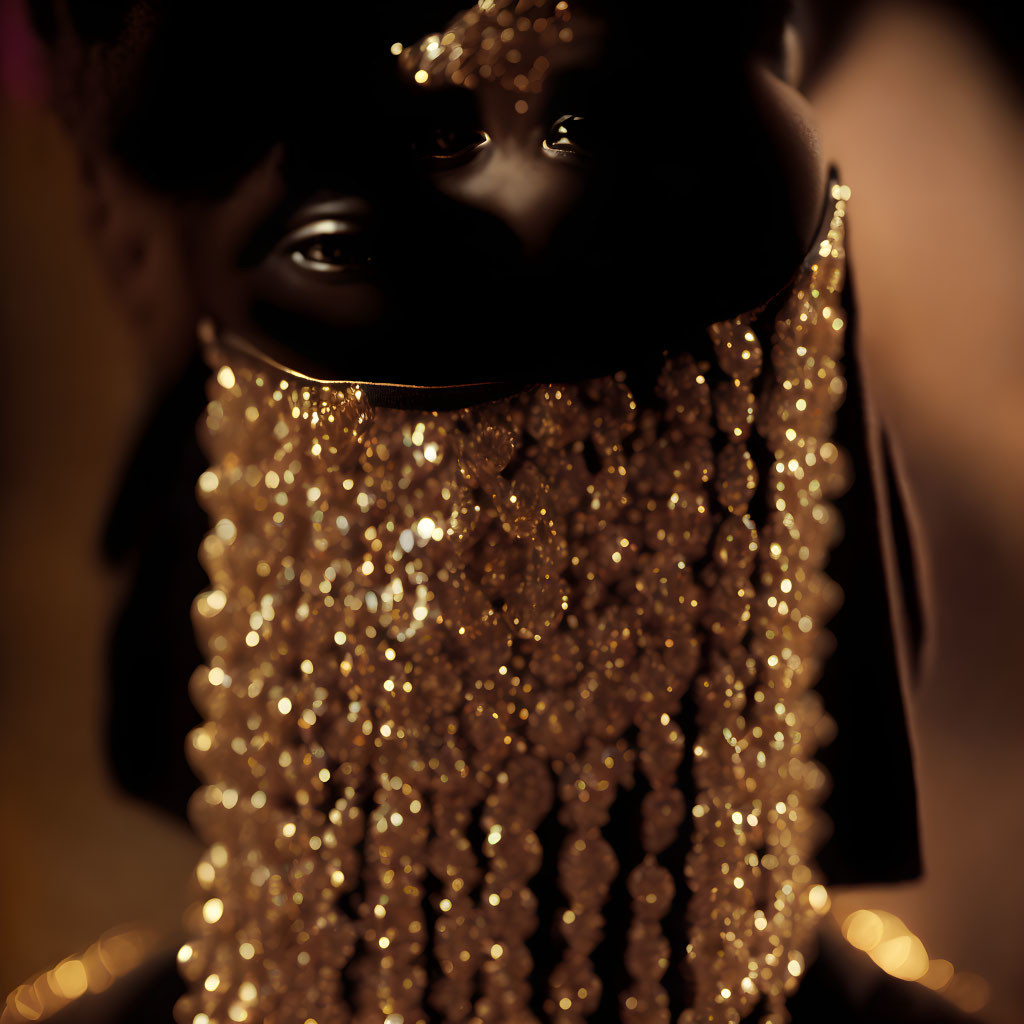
pixel 432 236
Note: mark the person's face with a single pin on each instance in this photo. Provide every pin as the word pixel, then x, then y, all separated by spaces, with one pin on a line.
pixel 430 222
pixel 496 201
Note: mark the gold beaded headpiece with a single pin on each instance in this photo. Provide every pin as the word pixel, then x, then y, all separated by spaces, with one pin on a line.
pixel 437 641
pixel 501 42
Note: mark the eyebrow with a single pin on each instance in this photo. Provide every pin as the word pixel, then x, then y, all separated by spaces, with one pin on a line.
pixel 268 232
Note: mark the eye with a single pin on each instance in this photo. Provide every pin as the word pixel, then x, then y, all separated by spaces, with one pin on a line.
pixel 450 147
pixel 571 134
pixel 328 246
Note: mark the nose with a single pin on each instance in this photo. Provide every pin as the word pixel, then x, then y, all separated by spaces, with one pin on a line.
pixel 441 251
pixel 528 192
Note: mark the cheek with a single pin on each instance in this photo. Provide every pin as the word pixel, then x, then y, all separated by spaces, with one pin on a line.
pixel 279 285
pixel 297 321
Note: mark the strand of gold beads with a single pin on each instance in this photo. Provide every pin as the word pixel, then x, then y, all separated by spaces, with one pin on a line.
pixel 518 786
pixel 281 852
pixel 389 979
pixel 458 929
pixel 582 735
pixel 750 863
pixel 674 509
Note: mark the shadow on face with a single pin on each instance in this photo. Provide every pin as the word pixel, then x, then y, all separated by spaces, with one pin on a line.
pixel 355 221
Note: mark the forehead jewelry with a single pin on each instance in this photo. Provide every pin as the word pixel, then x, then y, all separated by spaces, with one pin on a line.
pixel 504 42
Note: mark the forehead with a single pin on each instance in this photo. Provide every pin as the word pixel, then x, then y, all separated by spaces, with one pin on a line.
pixel 215 86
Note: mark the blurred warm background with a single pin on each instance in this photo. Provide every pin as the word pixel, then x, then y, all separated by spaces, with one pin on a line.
pixel 922 112
pixel 77 858
pixel 928 128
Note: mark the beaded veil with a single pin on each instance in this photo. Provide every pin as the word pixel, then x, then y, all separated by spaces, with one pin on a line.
pixel 476 678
